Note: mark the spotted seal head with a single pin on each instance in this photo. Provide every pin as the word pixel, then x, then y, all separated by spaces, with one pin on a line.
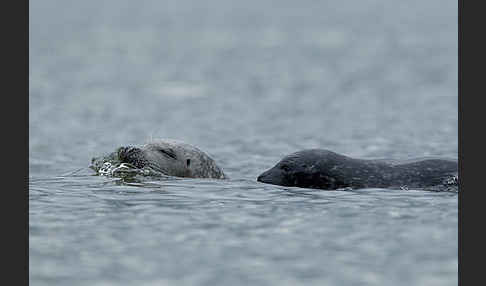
pixel 324 169
pixel 167 157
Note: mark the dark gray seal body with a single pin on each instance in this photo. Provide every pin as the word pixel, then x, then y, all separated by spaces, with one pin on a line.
pixel 323 169
pixel 167 157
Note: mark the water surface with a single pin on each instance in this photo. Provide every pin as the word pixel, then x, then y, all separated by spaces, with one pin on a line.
pixel 248 83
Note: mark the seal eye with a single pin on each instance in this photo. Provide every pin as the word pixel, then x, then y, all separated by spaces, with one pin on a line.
pixel 286 168
pixel 188 162
pixel 168 152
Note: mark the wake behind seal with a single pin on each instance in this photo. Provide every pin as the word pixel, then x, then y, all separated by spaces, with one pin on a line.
pixel 159 157
pixel 324 169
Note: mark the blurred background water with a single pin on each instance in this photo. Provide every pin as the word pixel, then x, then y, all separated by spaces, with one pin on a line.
pixel 248 82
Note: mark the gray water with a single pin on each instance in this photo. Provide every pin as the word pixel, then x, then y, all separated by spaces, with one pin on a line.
pixel 248 82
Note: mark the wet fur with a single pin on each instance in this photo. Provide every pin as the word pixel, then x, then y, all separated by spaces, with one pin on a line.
pixel 172 158
pixel 323 169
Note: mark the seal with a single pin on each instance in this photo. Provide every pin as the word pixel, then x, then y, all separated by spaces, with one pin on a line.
pixel 324 169
pixel 166 157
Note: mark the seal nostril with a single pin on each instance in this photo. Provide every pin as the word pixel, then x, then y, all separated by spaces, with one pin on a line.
pixel 123 152
pixel 261 178
pixel 131 155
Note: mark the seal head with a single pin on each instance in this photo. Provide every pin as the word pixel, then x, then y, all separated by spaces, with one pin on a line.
pixel 306 169
pixel 167 157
